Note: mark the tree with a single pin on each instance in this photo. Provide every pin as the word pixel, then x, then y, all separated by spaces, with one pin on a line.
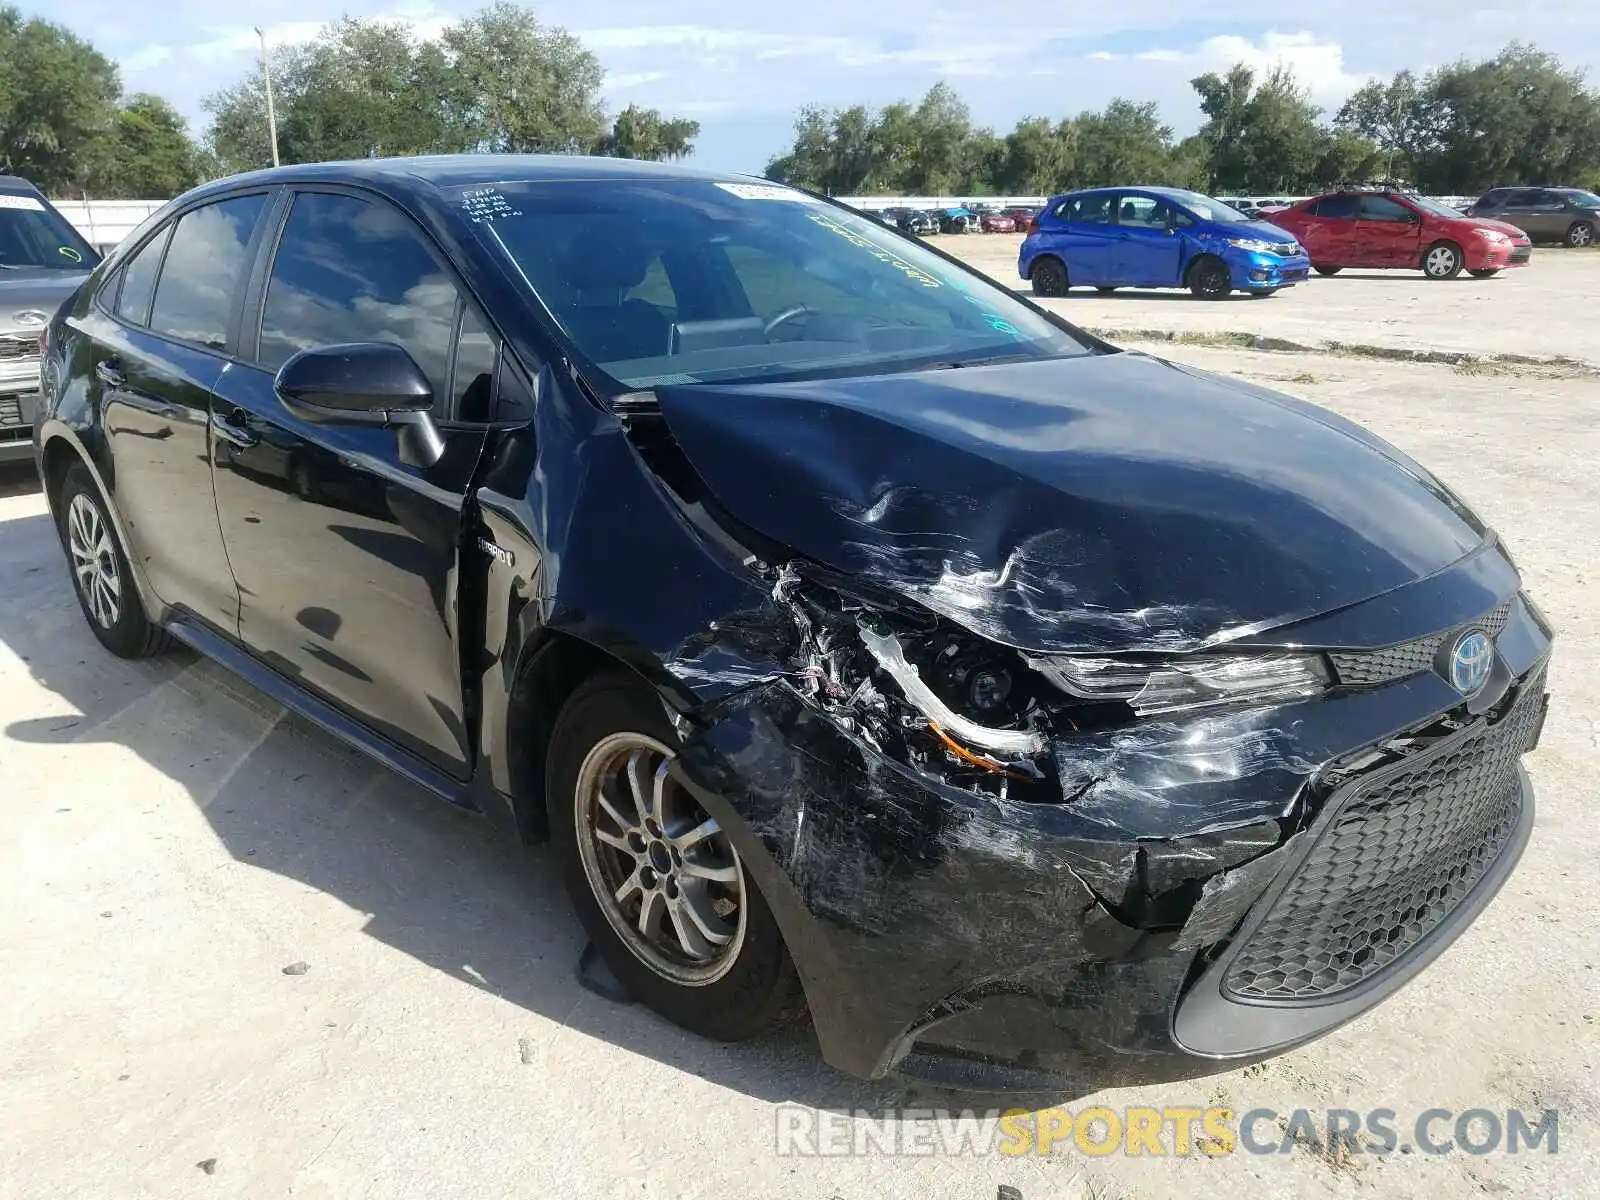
pixel 58 104
pixel 495 81
pixel 1390 116
pixel 1126 143
pixel 153 158
pixel 1263 138
pixel 645 133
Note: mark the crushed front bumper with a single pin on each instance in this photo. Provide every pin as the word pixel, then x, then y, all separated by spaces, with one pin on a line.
pixel 1138 931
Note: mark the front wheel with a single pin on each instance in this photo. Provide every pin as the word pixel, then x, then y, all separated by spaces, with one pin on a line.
pixel 1049 276
pixel 655 881
pixel 1442 260
pixel 1328 270
pixel 1484 272
pixel 100 574
pixel 1209 279
pixel 1580 234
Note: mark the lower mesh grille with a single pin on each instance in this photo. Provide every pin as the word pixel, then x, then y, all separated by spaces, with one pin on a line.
pixel 1395 861
pixel 11 427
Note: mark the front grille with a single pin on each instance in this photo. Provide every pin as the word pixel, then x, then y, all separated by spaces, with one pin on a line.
pixel 11 427
pixel 18 347
pixel 1521 254
pixel 1365 667
pixel 1396 858
pixel 1297 273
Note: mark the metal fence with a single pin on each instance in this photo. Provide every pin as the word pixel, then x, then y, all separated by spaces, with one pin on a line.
pixel 104 223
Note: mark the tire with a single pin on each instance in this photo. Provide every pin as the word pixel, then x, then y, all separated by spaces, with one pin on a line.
pixel 1327 270
pixel 1209 278
pixel 1262 294
pixel 101 578
pixel 1442 260
pixel 1484 272
pixel 1581 233
pixel 1049 276
pixel 748 986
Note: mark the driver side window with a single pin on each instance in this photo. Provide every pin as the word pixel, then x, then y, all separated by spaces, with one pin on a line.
pixel 1381 208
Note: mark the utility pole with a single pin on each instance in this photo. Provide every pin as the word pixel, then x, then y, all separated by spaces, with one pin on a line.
pixel 266 78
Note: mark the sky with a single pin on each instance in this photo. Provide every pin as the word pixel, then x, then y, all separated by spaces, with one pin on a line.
pixel 743 69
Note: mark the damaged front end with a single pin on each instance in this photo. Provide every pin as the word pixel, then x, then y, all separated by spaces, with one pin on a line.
pixel 1015 832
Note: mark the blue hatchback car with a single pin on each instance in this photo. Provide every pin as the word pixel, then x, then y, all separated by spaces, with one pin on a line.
pixel 1157 237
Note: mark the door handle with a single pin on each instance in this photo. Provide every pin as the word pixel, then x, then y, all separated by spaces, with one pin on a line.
pixel 233 427
pixel 107 373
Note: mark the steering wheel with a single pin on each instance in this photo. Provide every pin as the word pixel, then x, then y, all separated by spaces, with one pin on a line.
pixel 788 314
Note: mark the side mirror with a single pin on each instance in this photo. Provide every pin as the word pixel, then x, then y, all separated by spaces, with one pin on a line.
pixel 364 383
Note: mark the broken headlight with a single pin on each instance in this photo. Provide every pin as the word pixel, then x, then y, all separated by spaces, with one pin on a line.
pixel 1180 685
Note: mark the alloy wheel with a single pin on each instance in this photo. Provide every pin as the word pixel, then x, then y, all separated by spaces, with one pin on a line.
pixel 1580 235
pixel 94 561
pixel 664 873
pixel 1214 281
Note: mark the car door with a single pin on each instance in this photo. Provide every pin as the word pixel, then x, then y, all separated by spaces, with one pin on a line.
pixel 349 556
pixel 1521 208
pixel 1147 250
pixel 160 338
pixel 1329 230
pixel 1388 233
pixel 1087 237
pixel 1550 217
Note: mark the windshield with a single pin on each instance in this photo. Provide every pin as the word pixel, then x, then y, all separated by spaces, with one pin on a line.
pixel 1207 209
pixel 32 236
pixel 1434 207
pixel 693 281
pixel 1581 198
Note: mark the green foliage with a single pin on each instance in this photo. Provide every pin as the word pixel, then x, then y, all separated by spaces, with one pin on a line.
pixel 1520 117
pixel 153 157
pixel 496 81
pixel 58 104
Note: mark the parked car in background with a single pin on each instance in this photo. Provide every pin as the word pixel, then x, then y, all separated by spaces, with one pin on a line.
pixel 1022 217
pixel 996 222
pixel 42 261
pixel 1156 237
pixel 1401 231
pixel 864 639
pixel 917 221
pixel 958 220
pixel 1545 214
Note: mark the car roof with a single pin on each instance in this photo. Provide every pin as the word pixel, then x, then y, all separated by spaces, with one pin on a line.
pixel 13 185
pixel 466 170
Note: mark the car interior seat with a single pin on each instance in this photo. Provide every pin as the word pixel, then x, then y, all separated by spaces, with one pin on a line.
pixel 610 326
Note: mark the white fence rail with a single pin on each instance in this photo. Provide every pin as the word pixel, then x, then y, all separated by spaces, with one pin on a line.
pixel 104 223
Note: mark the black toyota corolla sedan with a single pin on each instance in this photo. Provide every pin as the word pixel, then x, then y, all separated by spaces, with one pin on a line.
pixel 868 641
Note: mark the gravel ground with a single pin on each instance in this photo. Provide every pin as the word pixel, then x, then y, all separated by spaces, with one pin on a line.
pixel 173 845
pixel 1542 309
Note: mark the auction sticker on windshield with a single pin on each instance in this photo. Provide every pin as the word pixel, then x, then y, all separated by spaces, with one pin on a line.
pixel 766 191
pixel 27 202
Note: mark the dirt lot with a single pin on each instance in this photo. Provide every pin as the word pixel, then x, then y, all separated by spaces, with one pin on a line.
pixel 171 843
pixel 1545 308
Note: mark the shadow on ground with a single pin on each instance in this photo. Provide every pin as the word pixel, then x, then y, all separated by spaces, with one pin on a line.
pixel 437 883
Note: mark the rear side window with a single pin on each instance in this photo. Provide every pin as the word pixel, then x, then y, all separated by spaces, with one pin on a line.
pixel 204 265
pixel 139 280
pixel 1524 197
pixel 1087 210
pixel 348 270
pixel 1338 208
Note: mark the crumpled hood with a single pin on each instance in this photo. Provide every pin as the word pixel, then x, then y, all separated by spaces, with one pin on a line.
pixel 1104 502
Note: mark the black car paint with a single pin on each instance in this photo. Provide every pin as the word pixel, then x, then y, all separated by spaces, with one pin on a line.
pixel 919 913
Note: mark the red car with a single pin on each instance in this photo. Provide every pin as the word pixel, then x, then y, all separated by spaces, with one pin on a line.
pixel 1398 229
pixel 997 223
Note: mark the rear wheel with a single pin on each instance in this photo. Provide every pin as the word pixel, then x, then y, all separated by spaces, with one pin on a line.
pixel 1328 270
pixel 1209 278
pixel 1049 276
pixel 1484 272
pixel 654 879
pixel 1442 260
pixel 100 574
pixel 1581 233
